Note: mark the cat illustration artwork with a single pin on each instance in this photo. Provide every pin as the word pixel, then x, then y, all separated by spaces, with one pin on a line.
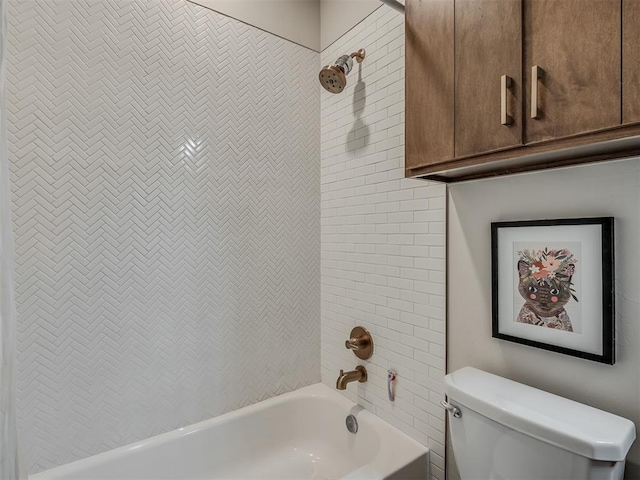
pixel 545 284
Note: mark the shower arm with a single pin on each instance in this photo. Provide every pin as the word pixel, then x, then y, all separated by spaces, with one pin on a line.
pixel 397 6
pixel 359 55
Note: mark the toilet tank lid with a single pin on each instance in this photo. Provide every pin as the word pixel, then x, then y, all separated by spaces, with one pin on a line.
pixel 555 420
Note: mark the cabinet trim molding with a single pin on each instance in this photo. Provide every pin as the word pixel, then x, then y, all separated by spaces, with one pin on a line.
pixel 608 144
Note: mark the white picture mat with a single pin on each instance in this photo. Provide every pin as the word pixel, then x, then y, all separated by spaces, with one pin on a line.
pixel 590 238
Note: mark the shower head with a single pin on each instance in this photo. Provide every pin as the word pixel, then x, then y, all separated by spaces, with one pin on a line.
pixel 334 77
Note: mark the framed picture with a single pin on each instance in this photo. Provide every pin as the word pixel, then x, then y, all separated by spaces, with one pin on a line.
pixel 553 283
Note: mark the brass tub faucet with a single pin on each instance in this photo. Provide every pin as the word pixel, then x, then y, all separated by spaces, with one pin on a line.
pixel 357 375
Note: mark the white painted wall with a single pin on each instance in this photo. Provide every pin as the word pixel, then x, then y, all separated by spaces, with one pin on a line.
pixel 295 20
pixel 166 199
pixel 316 24
pixel 383 239
pixel 337 17
pixel 608 189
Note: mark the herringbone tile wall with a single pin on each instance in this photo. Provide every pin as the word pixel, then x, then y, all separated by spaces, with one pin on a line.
pixel 165 168
pixel 383 240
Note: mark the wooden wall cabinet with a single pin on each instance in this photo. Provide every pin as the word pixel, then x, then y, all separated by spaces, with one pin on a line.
pixel 429 121
pixel 630 61
pixel 533 84
pixel 488 76
pixel 576 46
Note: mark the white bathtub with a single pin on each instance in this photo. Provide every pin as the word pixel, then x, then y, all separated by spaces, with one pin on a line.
pixel 298 435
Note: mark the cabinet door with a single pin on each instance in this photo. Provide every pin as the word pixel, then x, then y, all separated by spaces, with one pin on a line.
pixel 429 82
pixel 576 46
pixel 488 72
pixel 630 61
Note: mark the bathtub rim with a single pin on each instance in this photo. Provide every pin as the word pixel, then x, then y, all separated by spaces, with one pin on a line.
pixel 318 390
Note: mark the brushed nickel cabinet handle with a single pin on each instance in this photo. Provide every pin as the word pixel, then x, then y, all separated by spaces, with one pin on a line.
pixel 536 74
pixel 505 85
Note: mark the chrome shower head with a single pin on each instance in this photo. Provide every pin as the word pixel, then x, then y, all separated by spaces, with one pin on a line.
pixel 334 77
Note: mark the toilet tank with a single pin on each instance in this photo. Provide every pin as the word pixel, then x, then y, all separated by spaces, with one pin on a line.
pixel 508 430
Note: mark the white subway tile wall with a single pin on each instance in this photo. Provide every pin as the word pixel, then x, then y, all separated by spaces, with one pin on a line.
pixel 382 241
pixel 165 169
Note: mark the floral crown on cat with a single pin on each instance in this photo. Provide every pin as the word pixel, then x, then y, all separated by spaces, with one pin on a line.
pixel 550 267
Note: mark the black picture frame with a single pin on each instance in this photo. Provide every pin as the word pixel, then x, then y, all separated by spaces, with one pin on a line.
pixel 607 330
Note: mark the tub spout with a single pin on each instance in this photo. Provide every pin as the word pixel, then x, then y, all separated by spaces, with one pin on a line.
pixel 359 374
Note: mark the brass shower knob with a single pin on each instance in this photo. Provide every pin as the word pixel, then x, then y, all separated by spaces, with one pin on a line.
pixel 361 343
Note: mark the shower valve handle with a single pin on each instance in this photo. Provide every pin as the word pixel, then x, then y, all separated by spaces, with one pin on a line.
pixel 360 343
pixel 354 344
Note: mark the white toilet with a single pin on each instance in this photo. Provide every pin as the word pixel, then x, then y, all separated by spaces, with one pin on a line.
pixel 503 430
